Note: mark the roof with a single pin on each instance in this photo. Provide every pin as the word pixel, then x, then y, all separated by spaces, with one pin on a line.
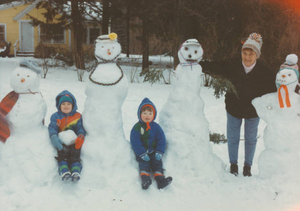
pixel 11 5
pixel 91 12
pixel 25 11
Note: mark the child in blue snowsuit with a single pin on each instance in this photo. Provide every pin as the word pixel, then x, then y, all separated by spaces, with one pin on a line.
pixel 148 142
pixel 66 118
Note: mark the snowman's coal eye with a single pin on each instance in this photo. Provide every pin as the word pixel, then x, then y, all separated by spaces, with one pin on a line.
pixel 196 52
pixel 18 74
pixel 102 46
pixel 27 75
pixel 113 47
pixel 289 74
pixel 186 48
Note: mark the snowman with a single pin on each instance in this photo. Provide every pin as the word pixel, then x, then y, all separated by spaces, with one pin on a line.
pixel 27 154
pixel 188 151
pixel 106 150
pixel 281 112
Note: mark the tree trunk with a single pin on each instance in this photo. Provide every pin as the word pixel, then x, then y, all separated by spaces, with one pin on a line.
pixel 128 28
pixel 77 35
pixel 105 15
pixel 145 40
pixel 177 32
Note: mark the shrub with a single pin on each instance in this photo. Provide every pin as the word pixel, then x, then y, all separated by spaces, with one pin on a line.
pixel 217 138
pixel 45 51
pixel 154 75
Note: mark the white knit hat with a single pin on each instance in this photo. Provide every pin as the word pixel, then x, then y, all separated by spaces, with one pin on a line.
pixel 254 42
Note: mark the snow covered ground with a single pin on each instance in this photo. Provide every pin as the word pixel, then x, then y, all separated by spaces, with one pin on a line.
pixel 225 193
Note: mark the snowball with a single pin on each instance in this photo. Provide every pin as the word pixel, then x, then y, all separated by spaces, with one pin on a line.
pixel 68 137
pixel 293 58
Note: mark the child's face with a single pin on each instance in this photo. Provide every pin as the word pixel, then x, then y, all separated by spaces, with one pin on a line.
pixel 147 116
pixel 66 107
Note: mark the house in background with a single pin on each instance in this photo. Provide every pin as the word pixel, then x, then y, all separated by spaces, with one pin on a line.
pixel 16 28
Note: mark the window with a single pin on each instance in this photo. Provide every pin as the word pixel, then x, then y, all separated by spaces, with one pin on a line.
pixel 90 35
pixel 56 36
pixel 2 32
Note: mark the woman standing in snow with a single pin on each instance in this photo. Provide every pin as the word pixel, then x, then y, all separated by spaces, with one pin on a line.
pixel 251 79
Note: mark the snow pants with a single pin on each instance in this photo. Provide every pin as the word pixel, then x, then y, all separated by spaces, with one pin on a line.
pixel 152 165
pixel 69 154
pixel 233 138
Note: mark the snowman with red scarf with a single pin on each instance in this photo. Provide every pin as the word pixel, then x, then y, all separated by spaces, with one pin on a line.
pixel 26 153
pixel 183 121
pixel 281 112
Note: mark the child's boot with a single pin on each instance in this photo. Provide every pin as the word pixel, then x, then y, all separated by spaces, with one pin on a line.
pixel 146 180
pixel 64 171
pixel 76 170
pixel 161 180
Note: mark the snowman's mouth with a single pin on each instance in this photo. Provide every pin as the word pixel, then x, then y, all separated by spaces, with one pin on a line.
pixel 281 81
pixel 191 60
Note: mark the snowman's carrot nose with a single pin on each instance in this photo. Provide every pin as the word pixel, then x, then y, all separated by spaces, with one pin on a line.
pixel 108 52
pixel 283 76
pixel 22 80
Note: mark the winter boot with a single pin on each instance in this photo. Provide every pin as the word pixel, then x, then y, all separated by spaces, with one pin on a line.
pixel 247 171
pixel 64 171
pixel 161 180
pixel 146 180
pixel 76 170
pixel 234 169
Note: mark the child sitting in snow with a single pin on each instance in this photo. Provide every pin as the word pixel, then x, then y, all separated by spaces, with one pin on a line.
pixel 68 120
pixel 148 142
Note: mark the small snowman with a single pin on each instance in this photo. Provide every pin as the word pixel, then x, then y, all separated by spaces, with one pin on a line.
pixel 106 149
pixel 27 152
pixel 183 121
pixel 281 112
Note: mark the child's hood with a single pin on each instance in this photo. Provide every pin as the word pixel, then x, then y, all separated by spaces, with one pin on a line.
pixel 146 101
pixel 66 92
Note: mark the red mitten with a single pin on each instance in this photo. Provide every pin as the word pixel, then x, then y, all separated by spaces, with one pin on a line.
pixel 79 141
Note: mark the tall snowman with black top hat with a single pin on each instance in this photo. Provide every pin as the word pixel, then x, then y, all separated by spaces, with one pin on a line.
pixel 106 89
pixel 182 118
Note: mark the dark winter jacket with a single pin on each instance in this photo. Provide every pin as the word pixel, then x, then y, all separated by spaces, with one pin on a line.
pixel 256 83
pixel 60 121
pixel 146 141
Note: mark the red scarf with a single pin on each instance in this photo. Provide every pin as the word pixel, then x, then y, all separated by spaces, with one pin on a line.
pixel 287 98
pixel 6 105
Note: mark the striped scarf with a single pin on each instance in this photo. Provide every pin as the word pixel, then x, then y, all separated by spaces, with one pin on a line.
pixel 6 105
pixel 287 98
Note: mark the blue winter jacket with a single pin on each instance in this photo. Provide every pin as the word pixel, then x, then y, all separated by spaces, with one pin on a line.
pixel 147 141
pixel 61 122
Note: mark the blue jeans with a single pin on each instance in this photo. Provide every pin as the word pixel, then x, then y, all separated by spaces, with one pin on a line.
pixel 233 138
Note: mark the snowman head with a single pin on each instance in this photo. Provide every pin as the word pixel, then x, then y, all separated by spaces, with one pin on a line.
pixel 190 51
pixel 25 78
pixel 107 47
pixel 288 73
